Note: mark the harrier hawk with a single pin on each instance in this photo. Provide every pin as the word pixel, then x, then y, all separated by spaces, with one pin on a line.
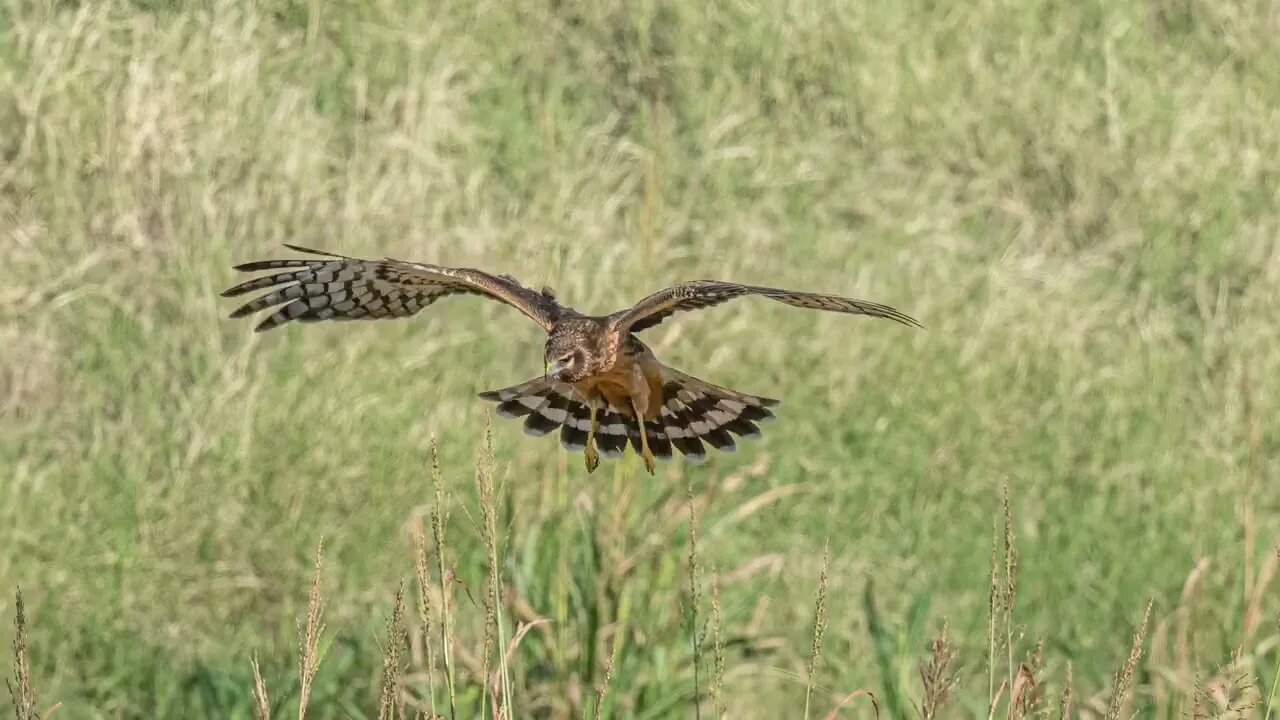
pixel 601 387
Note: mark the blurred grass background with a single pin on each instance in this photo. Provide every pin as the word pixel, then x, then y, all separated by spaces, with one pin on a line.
pixel 1080 201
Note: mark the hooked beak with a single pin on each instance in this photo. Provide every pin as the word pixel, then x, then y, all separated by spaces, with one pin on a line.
pixel 553 369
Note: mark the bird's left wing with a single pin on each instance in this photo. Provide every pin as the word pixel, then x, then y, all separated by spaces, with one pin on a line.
pixel 704 293
pixel 344 288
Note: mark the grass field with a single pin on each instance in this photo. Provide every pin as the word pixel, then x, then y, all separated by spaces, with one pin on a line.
pixel 1080 202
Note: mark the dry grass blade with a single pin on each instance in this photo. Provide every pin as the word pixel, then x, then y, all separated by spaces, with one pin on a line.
pixel 1233 691
pixel 1064 702
pixel 937 676
pixel 695 598
pixel 764 500
pixel 1275 681
pixel 1182 642
pixel 261 706
pixel 717 639
pixel 424 604
pixel 1023 686
pixel 602 690
pixel 493 631
pixel 993 613
pixel 1001 601
pixel 1254 602
pixel 1025 699
pixel 24 697
pixel 309 635
pixel 1010 584
pixel 1253 441
pixel 1124 678
pixel 995 699
pixel 819 627
pixel 521 630
pixel 393 661
pixel 875 706
pixel 437 531
pixel 1198 698
pixel 1035 702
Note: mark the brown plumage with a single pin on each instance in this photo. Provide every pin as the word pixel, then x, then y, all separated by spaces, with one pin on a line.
pixel 602 387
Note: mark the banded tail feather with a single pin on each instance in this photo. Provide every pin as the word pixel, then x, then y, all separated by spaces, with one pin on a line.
pixel 693 414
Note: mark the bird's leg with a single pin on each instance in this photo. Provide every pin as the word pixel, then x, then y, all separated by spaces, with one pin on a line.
pixel 645 453
pixel 589 453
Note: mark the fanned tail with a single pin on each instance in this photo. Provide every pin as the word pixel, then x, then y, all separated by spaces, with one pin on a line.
pixel 693 413
pixel 547 405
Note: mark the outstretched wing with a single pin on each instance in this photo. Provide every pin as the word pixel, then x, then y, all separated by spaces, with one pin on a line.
pixel 344 288
pixel 704 293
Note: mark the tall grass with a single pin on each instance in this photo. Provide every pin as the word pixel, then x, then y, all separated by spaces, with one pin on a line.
pixel 1078 200
pixel 819 628
pixel 20 687
pixel 409 683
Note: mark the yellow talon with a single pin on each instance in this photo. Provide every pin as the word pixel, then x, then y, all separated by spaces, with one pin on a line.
pixel 590 454
pixel 645 453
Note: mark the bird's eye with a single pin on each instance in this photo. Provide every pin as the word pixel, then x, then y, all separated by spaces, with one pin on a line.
pixel 568 359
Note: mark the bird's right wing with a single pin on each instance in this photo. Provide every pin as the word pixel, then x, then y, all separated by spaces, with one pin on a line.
pixel 344 288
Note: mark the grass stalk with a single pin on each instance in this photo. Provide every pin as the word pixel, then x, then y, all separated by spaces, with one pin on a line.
pixel 937 677
pixel 717 640
pixel 993 610
pixel 389 703
pixel 261 706
pixel 1275 680
pixel 1124 678
pixel 493 578
pixel 24 696
pixel 423 574
pixel 819 628
pixel 602 689
pixel 1064 701
pixel 309 633
pixel 437 531
pixel 1010 585
pixel 694 599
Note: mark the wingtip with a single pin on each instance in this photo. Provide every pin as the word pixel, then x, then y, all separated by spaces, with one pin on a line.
pixel 244 310
pixel 311 251
pixel 892 313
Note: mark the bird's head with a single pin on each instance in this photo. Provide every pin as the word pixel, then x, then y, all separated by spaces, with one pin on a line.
pixel 567 357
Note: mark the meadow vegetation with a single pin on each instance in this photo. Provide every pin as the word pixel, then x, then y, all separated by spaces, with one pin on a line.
pixel 1060 497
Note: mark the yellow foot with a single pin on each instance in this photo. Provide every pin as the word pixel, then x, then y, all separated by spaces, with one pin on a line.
pixel 648 461
pixel 592 457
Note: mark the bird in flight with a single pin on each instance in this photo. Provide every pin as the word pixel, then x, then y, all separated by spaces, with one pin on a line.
pixel 601 386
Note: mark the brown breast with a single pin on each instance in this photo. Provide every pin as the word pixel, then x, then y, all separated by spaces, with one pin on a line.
pixel 619 384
